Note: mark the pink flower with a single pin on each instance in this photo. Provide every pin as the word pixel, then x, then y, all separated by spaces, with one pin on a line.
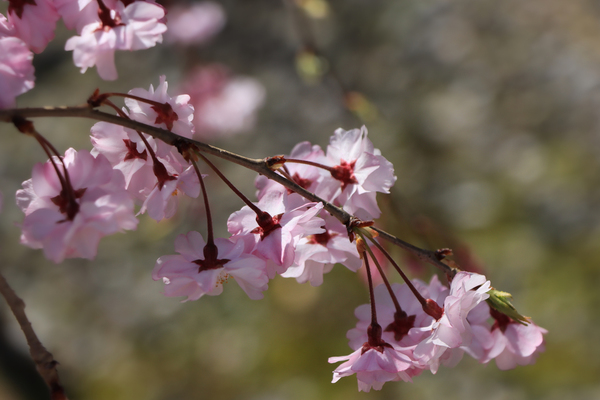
pixel 135 27
pixel 156 188
pixel 161 201
pixel 78 13
pixel 127 153
pixel 304 175
pixel 195 24
pixel 374 363
pixel 224 105
pixel 34 22
pixel 71 226
pixel 507 341
pixel 402 331
pixel 16 69
pixel 174 113
pixel 516 344
pixel 155 181
pixel 196 271
pixel 317 254
pixel 359 172
pixel 291 218
pixel 452 330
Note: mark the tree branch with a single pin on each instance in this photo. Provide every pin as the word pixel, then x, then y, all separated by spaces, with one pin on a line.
pixel 259 166
pixel 43 359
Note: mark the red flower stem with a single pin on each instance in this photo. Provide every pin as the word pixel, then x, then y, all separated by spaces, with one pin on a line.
pixel 312 163
pixel 385 279
pixel 209 223
pixel 61 178
pixel 253 207
pixel 371 291
pixel 412 288
pixel 50 150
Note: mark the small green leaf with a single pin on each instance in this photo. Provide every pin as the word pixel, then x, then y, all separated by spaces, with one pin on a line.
pixel 500 301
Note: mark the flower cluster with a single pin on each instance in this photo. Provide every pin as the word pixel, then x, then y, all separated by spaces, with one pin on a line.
pixel 67 213
pixel 154 171
pixel 409 340
pixel 71 202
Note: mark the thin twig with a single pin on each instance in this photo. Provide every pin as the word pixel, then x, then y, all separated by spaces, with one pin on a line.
pixel 43 359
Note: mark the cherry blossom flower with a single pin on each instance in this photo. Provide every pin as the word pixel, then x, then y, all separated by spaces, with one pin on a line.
pixel 397 329
pixel 359 172
pixel 516 344
pixel 224 105
pixel 136 26
pixel 374 363
pixel 127 153
pixel 77 14
pixel 16 68
pixel 195 24
pixel 157 188
pixel 291 219
pixel 175 113
pixel 34 22
pixel 155 175
pixel 317 254
pixel 161 201
pixel 452 330
pixel 306 176
pixel 196 271
pixel 507 341
pixel 71 226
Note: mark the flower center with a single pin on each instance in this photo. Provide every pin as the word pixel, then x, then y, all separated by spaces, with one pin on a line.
pixel 132 151
pixel 266 224
pixel 344 173
pixel 67 203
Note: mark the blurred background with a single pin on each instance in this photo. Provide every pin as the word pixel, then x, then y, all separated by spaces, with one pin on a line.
pixel 489 112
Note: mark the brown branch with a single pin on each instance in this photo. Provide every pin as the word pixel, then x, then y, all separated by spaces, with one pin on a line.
pixel 256 165
pixel 43 359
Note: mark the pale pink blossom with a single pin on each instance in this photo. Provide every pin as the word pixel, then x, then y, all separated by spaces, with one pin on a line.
pixel 127 153
pixel 317 254
pixel 291 218
pixel 516 345
pixel 374 363
pixel 224 105
pixel 359 172
pixel 175 113
pixel 16 68
pixel 161 201
pixel 508 342
pixel 452 330
pixel 135 27
pixel 78 13
pixel 306 176
pixel 193 274
pixel 157 189
pixel 34 22
pixel 400 329
pixel 195 24
pixel 397 330
pixel 71 226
